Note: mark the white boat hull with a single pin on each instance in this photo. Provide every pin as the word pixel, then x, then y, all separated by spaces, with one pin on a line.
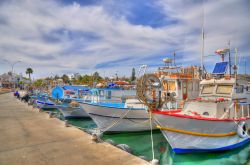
pixel 177 132
pixel 118 119
pixel 72 112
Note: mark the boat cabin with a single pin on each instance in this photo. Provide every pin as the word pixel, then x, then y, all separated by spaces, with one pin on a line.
pixel 183 82
pixel 223 98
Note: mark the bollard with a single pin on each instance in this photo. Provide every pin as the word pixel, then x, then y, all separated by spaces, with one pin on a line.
pixel 96 137
pixel 51 114
pixel 66 123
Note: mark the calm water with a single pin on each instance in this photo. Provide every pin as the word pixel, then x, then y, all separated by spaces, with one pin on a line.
pixel 140 144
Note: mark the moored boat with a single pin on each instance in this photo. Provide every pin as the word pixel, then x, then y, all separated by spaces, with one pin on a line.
pixel 69 106
pixel 72 111
pixel 217 120
pixel 43 102
pixel 130 116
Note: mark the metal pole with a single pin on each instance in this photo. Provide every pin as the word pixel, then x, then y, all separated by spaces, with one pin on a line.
pixel 245 67
pixel 12 72
pixel 229 56
pixel 174 58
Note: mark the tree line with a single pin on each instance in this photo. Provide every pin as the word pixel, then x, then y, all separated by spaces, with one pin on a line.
pixel 80 79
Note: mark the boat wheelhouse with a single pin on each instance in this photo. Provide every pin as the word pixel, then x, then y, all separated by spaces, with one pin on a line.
pixel 183 82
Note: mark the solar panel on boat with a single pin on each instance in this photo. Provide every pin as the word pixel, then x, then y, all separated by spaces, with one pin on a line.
pixel 220 68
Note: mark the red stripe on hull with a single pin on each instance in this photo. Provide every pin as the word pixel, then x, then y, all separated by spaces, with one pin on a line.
pixel 175 114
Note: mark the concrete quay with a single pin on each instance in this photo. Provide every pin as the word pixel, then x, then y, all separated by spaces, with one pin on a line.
pixel 29 137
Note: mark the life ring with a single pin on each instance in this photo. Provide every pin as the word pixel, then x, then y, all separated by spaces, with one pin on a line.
pixel 242 129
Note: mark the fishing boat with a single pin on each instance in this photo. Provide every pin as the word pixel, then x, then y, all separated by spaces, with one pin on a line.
pixel 216 120
pixel 128 114
pixel 69 101
pixel 72 110
pixel 119 115
pixel 43 102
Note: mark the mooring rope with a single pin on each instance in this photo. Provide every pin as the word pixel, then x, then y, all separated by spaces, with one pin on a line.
pixel 116 122
pixel 151 134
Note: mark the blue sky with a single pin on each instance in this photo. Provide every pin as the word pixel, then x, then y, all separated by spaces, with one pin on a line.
pixel 113 36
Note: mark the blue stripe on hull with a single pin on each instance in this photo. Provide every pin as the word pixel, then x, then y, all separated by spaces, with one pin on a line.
pixel 184 150
pixel 45 103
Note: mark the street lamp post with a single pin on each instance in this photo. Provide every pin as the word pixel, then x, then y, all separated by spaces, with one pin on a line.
pixel 12 70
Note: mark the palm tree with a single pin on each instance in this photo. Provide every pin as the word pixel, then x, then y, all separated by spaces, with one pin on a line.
pixel 29 71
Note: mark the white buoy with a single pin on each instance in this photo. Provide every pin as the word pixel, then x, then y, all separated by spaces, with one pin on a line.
pixel 66 123
pixel 155 162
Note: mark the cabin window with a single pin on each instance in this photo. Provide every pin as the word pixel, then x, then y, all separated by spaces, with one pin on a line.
pixel 207 89
pixel 169 85
pixel 101 93
pixel 248 88
pixel 224 89
pixel 240 89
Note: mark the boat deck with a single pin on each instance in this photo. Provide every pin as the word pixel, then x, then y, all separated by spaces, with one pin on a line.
pixel 30 137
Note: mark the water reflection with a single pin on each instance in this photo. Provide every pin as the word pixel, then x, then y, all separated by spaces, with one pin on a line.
pixel 140 144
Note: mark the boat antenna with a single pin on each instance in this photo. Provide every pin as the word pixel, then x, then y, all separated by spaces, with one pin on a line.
pixel 235 67
pixel 203 37
pixel 229 58
pixel 174 57
pixel 245 66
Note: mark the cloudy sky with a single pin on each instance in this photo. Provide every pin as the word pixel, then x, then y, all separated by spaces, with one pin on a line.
pixel 113 36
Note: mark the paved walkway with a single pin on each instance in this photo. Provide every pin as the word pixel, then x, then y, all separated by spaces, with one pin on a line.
pixel 31 137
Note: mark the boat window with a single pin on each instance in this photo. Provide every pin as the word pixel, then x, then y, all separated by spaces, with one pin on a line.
pixel 248 88
pixel 172 86
pixel 207 89
pixel 224 89
pixel 169 85
pixel 101 93
pixel 240 89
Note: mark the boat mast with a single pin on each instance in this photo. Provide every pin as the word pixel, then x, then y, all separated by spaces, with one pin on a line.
pixel 174 58
pixel 202 46
pixel 229 56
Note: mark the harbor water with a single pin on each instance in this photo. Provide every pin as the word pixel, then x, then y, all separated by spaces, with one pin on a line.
pixel 140 144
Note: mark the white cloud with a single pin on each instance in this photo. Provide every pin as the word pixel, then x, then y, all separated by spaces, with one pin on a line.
pixel 85 36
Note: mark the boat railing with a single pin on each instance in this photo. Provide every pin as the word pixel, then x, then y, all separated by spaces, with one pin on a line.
pixel 174 75
pixel 240 110
pixel 241 107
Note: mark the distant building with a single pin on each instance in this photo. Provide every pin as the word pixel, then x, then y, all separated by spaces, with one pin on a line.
pixel 8 80
pixel 73 76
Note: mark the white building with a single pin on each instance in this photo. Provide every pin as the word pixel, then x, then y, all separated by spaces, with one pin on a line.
pixel 73 76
